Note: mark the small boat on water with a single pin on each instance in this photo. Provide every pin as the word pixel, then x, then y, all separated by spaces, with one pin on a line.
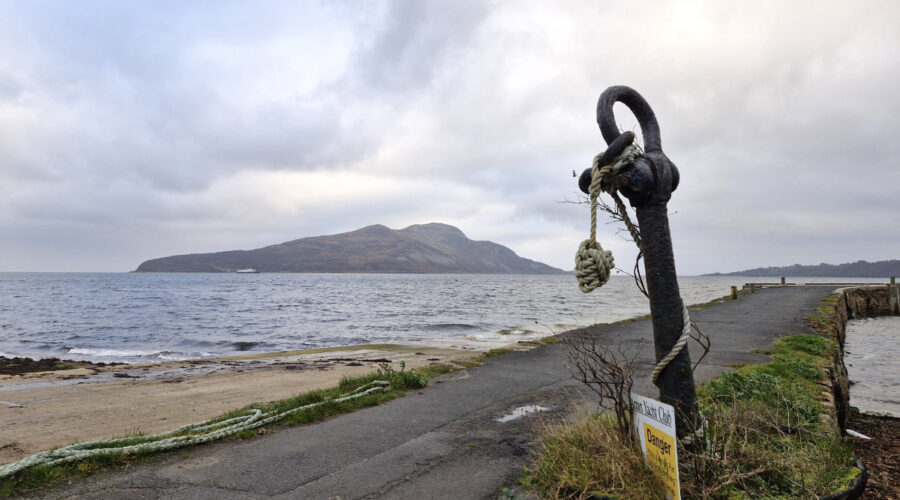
pixel 249 270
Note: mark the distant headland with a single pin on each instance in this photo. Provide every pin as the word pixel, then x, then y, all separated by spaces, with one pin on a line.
pixel 420 248
pixel 858 269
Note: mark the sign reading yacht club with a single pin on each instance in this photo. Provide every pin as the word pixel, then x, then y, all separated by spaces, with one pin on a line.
pixel 654 423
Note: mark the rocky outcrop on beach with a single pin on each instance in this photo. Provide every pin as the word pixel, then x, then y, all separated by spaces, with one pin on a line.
pixel 421 248
pixel 19 366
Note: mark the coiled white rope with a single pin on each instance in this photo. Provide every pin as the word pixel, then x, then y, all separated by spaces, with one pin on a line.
pixel 201 432
pixel 593 264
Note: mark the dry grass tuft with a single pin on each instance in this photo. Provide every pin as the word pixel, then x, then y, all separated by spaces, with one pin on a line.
pixel 590 457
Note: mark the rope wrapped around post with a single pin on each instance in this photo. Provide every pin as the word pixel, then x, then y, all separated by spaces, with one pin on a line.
pixel 679 345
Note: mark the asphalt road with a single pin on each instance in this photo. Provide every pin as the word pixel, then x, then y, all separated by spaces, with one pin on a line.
pixel 444 441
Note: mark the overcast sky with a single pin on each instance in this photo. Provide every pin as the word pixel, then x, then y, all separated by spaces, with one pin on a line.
pixel 134 130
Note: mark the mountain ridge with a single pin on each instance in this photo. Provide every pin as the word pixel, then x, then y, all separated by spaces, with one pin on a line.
pixel 417 249
pixel 858 269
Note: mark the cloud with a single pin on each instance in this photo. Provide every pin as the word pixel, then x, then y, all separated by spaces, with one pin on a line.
pixel 130 131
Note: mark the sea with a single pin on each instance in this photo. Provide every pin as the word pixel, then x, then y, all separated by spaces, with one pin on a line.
pixel 147 317
pixel 871 350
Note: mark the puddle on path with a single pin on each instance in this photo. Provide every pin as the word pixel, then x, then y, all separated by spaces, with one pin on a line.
pixel 521 412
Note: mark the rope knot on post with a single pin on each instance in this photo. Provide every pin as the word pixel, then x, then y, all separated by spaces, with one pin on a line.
pixel 593 264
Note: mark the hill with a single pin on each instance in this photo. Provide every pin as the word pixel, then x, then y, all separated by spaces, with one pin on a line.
pixel 422 248
pixel 858 269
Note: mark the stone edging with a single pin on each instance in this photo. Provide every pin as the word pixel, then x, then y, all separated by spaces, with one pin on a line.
pixel 853 302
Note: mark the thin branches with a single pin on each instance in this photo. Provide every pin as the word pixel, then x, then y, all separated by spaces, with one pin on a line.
pixel 608 373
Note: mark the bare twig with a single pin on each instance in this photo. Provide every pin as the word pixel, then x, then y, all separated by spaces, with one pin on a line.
pixel 608 373
pixel 702 339
pixel 638 278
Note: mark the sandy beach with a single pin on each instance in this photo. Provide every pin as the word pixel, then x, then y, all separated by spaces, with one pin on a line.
pixel 44 409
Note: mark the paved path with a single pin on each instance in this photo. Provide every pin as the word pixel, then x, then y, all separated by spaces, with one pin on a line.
pixel 442 442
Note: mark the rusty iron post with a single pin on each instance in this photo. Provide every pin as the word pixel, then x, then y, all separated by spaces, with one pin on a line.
pixel 648 184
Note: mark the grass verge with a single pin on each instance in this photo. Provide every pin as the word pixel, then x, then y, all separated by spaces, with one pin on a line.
pixel 767 438
pixel 767 435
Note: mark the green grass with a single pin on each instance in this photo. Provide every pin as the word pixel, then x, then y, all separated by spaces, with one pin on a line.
pixel 497 352
pixel 553 339
pixel 628 320
pixel 436 369
pixel 823 320
pixel 474 362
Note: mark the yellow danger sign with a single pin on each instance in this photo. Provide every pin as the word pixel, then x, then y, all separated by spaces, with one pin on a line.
pixel 662 458
pixel 654 422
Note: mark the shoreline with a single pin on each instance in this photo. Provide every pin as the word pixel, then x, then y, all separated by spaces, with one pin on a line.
pixel 43 409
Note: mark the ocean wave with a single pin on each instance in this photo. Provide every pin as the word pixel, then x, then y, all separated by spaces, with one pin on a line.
pixel 134 355
pixel 112 353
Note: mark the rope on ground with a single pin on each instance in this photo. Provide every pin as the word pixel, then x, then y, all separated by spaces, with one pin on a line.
pixel 201 432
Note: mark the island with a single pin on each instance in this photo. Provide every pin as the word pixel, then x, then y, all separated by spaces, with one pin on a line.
pixel 421 248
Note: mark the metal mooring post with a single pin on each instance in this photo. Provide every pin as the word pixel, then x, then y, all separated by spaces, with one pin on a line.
pixel 648 184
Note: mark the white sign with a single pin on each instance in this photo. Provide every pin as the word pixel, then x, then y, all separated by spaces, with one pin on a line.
pixel 654 422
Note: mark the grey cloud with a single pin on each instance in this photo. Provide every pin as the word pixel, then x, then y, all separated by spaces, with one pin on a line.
pixel 124 118
pixel 412 41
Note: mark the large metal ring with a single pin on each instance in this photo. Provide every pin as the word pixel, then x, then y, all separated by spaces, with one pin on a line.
pixel 638 105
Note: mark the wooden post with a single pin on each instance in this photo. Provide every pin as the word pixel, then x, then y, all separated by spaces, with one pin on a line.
pixel 752 288
pixel 893 298
pixel 734 293
pixel 782 280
